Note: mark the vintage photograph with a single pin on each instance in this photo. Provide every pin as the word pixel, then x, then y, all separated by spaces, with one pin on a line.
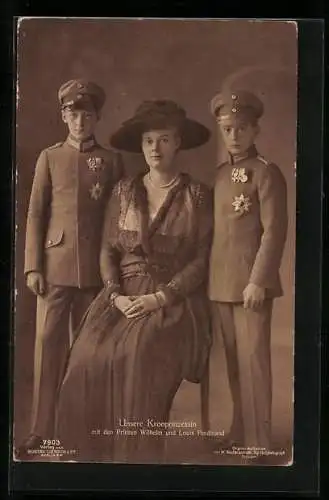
pixel 155 241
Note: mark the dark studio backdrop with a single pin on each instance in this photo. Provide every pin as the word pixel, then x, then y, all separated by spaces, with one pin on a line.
pixel 187 61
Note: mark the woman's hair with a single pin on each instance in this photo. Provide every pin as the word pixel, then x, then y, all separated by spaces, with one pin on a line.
pixel 164 126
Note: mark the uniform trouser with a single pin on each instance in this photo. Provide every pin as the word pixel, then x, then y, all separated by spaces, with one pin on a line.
pixel 246 337
pixel 55 310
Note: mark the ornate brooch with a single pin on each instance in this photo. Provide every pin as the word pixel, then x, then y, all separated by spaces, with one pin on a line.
pixel 239 175
pixel 95 163
pixel 241 203
pixel 96 191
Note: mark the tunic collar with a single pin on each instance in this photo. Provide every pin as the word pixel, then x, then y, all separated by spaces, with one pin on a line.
pixel 250 153
pixel 81 146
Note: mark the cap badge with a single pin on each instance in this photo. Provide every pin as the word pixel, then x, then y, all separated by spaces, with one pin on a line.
pixel 96 191
pixel 95 163
pixel 239 175
pixel 241 203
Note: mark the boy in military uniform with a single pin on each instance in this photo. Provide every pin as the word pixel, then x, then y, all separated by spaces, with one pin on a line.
pixel 250 211
pixel 72 182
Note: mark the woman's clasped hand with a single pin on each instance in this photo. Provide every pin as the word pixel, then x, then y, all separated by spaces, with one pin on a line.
pixel 137 306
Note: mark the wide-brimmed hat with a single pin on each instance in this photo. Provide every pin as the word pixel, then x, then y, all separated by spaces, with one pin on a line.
pixel 156 115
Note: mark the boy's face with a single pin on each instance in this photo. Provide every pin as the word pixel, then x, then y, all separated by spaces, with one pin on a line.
pixel 238 134
pixel 81 123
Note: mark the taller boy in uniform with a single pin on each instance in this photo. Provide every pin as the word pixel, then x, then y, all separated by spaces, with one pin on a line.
pixel 250 213
pixel 72 182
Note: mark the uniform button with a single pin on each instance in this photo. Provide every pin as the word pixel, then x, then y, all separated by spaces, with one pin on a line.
pixel 50 242
pixel 234 96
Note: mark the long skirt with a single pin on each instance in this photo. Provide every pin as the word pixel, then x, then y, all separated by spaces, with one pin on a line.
pixel 120 380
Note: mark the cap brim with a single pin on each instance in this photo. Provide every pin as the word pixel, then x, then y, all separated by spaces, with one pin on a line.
pixel 129 136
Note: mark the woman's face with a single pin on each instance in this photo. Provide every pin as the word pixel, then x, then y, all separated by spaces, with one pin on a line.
pixel 160 148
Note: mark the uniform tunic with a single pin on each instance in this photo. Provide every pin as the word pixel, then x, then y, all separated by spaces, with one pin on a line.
pixel 248 242
pixel 71 185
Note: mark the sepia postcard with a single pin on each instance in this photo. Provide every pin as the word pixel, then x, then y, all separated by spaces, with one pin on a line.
pixel 156 166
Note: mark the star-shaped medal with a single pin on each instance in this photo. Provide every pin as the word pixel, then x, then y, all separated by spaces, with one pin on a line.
pixel 241 203
pixel 95 163
pixel 96 191
pixel 239 175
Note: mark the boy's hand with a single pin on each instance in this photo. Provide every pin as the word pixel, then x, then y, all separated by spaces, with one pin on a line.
pixel 36 283
pixel 253 296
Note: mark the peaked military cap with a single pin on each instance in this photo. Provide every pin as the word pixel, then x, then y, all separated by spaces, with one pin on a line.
pixel 236 103
pixel 81 94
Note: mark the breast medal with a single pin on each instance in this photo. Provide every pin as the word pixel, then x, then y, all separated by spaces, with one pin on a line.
pixel 96 191
pixel 95 163
pixel 239 175
pixel 241 203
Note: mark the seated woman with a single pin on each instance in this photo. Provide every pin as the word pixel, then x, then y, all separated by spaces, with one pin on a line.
pixel 148 329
